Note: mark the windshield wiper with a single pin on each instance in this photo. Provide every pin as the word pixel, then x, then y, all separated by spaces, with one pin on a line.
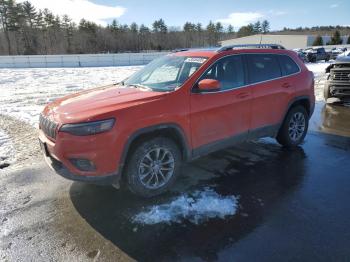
pixel 140 86
pixel 119 83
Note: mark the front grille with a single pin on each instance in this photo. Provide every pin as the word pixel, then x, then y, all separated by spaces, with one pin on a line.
pixel 340 74
pixel 48 127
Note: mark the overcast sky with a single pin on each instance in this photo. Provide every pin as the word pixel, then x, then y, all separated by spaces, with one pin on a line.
pixel 281 14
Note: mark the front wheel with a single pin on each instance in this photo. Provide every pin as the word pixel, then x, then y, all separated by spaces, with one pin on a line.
pixel 294 127
pixel 153 167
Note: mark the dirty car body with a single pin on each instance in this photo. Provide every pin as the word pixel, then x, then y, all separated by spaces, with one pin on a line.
pixel 178 108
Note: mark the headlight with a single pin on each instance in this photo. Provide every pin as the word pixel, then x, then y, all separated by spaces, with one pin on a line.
pixel 90 128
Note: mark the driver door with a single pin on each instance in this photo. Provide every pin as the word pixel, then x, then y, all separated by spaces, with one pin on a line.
pixel 222 116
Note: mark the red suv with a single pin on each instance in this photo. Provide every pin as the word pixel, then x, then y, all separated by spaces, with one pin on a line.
pixel 178 108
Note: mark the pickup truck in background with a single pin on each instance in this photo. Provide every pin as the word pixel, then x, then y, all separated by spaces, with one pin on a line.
pixel 316 54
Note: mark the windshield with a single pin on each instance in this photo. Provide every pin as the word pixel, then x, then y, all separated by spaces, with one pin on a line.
pixel 166 73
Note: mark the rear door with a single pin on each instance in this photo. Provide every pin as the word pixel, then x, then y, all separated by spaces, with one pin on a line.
pixel 223 114
pixel 271 92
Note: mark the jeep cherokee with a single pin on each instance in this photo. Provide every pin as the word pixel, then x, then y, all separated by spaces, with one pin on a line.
pixel 177 108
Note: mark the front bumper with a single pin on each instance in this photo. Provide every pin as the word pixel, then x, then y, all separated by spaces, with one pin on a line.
pixel 60 169
pixel 58 153
pixel 338 88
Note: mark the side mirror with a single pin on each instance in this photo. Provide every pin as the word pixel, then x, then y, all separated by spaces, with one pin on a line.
pixel 209 85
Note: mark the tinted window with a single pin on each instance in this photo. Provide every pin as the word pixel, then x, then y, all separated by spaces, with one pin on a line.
pixel 321 50
pixel 229 71
pixel 263 67
pixel 288 66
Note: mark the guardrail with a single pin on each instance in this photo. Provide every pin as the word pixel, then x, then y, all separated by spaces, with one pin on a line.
pixel 327 47
pixel 84 60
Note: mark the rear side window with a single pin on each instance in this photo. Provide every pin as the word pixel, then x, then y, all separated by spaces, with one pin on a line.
pixel 288 66
pixel 262 67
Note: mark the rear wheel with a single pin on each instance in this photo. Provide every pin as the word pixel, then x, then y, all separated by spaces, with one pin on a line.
pixel 153 167
pixel 294 127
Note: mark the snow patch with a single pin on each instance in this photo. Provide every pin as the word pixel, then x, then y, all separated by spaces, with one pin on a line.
pixel 7 151
pixel 318 68
pixel 320 77
pixel 197 207
pixel 25 92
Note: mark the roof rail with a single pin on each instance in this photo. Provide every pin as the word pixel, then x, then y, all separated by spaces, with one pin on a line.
pixel 180 50
pixel 246 46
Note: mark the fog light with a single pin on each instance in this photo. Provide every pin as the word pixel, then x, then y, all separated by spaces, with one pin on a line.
pixel 83 164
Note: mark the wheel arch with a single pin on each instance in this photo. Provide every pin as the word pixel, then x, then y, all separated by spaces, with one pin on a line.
pixel 170 130
pixel 303 101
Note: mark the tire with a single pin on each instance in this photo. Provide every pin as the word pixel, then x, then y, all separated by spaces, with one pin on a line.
pixel 292 135
pixel 143 174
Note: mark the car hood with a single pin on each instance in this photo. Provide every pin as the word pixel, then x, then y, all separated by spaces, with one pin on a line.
pixel 342 59
pixel 91 104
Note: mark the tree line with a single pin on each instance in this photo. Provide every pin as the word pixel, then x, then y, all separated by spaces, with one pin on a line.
pixel 24 30
pixel 335 40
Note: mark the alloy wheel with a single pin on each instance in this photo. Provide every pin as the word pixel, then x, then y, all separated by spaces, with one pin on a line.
pixel 296 127
pixel 156 168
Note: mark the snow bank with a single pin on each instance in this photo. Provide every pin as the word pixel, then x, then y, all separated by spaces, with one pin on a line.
pixel 25 92
pixel 197 207
pixel 7 151
pixel 318 68
pixel 320 77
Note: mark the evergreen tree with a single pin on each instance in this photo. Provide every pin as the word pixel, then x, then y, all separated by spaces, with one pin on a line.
pixel 199 28
pixel 145 33
pixel 348 42
pixel 336 39
pixel 257 27
pixel 230 29
pixel 144 29
pixel 211 32
pixel 39 22
pixel 114 27
pixel 246 30
pixel 30 13
pixel 68 28
pixel 160 29
pixel 5 7
pixel 318 41
pixel 265 26
pixel 134 28
pixel 159 26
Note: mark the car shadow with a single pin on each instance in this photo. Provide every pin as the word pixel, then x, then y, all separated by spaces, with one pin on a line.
pixel 261 174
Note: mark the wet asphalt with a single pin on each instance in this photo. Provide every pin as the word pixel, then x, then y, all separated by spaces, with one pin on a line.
pixel 293 206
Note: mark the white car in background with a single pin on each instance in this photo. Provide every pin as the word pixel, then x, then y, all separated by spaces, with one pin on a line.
pixel 346 53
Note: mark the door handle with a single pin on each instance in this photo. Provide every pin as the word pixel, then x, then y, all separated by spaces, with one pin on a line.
pixel 242 95
pixel 286 85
